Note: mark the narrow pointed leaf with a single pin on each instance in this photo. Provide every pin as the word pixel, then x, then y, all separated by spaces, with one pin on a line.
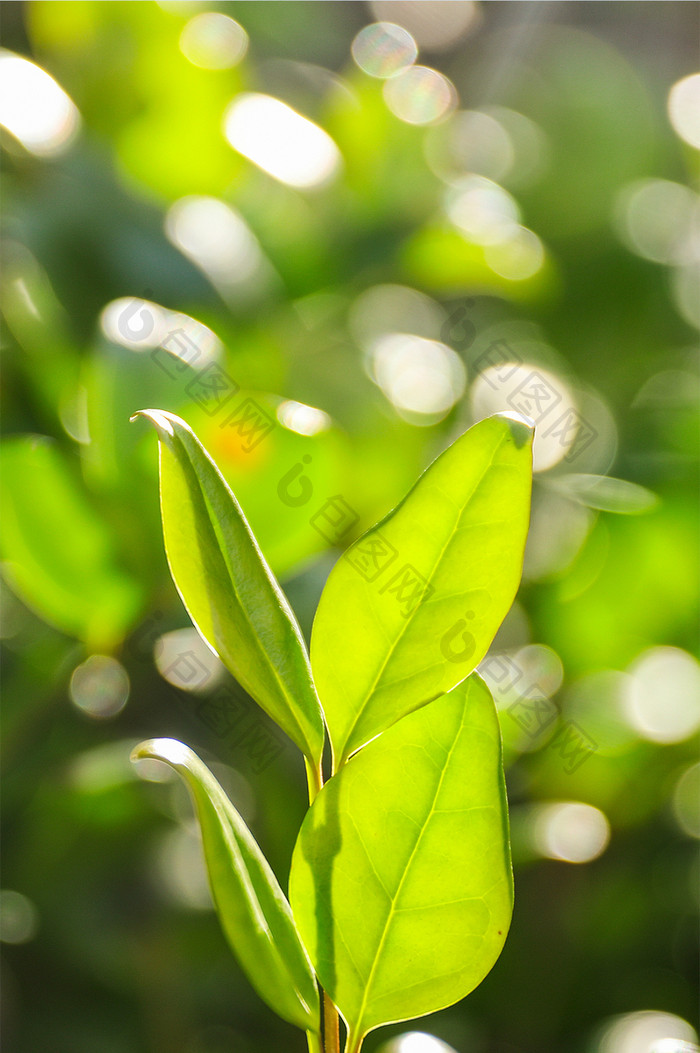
pixel 411 608
pixel 228 588
pixel 401 878
pixel 252 908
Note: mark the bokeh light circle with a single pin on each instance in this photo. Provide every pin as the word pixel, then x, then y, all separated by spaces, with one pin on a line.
pixel 482 210
pixel 686 801
pixel 642 1032
pixel 659 220
pixel 662 695
pixel 418 375
pixel 383 49
pixel 19 918
pixel 419 95
pixel 282 142
pixel 34 108
pixel 436 25
pixel 536 393
pixel 100 687
pixel 684 109
pixel 518 257
pixel 416 1042
pixel 571 831
pixel 213 41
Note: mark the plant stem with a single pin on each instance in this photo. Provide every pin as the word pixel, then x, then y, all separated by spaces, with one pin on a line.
pixel 315 1042
pixel 331 1023
pixel 314 778
pixel 331 1026
pixel 354 1044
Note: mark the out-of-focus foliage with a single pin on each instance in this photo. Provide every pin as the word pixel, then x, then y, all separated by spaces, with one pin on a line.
pixel 508 221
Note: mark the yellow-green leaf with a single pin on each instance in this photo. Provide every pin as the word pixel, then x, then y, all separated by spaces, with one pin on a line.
pixel 252 908
pixel 411 608
pixel 228 588
pixel 401 880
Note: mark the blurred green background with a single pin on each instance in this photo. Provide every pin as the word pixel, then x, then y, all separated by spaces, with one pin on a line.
pixel 331 236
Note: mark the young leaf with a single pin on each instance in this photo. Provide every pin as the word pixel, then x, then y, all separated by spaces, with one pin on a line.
pixel 227 587
pixel 411 608
pixel 401 878
pixel 252 908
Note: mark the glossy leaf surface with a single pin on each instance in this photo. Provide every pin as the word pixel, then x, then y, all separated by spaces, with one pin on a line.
pixel 253 910
pixel 411 608
pixel 228 588
pixel 401 879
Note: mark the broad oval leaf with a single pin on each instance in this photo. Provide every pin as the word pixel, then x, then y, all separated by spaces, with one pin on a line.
pixel 401 879
pixel 252 908
pixel 227 587
pixel 412 607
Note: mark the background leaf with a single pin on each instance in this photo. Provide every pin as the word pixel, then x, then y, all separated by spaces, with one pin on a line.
pixel 401 879
pixel 227 587
pixel 59 556
pixel 253 910
pixel 411 608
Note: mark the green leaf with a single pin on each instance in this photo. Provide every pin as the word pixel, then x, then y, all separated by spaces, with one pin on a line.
pixel 411 608
pixel 59 555
pixel 227 587
pixel 606 493
pixel 253 910
pixel 401 879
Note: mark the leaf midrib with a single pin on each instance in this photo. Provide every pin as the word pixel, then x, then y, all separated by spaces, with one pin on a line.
pixel 392 909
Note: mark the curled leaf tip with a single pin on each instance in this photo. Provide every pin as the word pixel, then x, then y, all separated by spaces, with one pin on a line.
pixel 159 418
pixel 169 750
pixel 521 427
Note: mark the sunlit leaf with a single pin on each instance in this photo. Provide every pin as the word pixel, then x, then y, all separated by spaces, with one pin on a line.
pixel 253 910
pixel 401 880
pixel 228 588
pixel 411 608
pixel 59 554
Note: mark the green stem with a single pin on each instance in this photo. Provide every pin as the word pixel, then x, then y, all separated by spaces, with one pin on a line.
pixel 315 1042
pixel 354 1044
pixel 314 778
pixel 331 1022
pixel 331 1026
